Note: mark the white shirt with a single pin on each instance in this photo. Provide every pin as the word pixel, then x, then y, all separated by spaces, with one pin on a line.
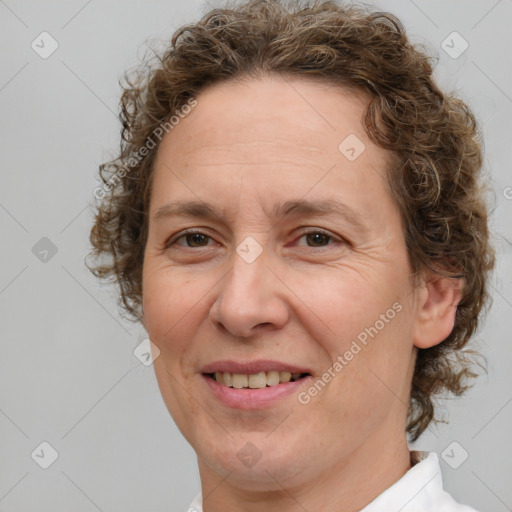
pixel 419 490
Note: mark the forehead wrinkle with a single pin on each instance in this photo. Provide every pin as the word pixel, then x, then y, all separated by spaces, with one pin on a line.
pixel 245 151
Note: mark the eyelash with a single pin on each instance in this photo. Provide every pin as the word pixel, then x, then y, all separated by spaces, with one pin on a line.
pixel 173 240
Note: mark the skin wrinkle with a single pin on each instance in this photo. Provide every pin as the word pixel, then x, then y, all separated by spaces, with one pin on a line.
pixel 304 305
pixel 287 304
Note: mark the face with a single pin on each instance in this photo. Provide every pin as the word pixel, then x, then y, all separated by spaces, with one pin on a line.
pixel 269 276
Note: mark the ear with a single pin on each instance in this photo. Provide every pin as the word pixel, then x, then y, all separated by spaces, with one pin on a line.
pixel 438 298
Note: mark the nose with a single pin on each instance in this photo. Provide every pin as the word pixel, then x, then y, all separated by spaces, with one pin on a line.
pixel 251 298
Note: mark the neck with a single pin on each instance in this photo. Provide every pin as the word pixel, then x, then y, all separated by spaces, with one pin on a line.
pixel 348 486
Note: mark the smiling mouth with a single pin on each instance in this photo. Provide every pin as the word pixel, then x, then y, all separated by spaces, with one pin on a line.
pixel 256 380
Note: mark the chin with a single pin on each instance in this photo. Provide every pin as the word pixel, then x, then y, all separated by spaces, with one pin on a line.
pixel 266 468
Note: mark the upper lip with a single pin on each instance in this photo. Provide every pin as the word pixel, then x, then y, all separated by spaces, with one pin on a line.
pixel 251 367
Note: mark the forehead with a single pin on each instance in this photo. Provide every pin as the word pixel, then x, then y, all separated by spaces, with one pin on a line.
pixel 273 109
pixel 275 138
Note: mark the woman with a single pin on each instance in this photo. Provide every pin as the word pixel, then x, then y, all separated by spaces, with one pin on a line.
pixel 296 219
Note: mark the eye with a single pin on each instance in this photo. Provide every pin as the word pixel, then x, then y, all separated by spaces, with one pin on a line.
pixel 191 238
pixel 196 239
pixel 318 238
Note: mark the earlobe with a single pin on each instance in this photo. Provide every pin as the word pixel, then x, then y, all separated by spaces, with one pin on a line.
pixel 437 308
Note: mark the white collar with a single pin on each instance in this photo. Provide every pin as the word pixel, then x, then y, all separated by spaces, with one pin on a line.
pixel 419 490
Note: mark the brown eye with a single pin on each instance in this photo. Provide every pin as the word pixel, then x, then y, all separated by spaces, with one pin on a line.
pixel 192 239
pixel 317 239
pixel 196 239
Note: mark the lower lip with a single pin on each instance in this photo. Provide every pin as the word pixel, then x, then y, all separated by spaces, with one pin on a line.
pixel 250 399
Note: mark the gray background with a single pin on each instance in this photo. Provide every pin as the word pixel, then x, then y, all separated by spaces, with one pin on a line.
pixel 67 372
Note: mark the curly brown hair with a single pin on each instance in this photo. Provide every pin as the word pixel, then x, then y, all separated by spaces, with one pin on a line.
pixel 434 137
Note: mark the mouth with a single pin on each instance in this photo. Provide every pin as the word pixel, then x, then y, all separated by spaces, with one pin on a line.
pixel 255 391
pixel 255 380
pixel 254 385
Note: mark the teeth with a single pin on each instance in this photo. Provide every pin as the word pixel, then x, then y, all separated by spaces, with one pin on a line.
pixel 285 376
pixel 272 378
pixel 255 380
pixel 240 381
pixel 227 379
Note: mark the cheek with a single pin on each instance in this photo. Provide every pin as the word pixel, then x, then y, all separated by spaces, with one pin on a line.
pixel 364 321
pixel 168 304
pixel 171 308
pixel 343 302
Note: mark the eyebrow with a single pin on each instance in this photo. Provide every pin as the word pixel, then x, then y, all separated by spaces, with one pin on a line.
pixel 203 210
